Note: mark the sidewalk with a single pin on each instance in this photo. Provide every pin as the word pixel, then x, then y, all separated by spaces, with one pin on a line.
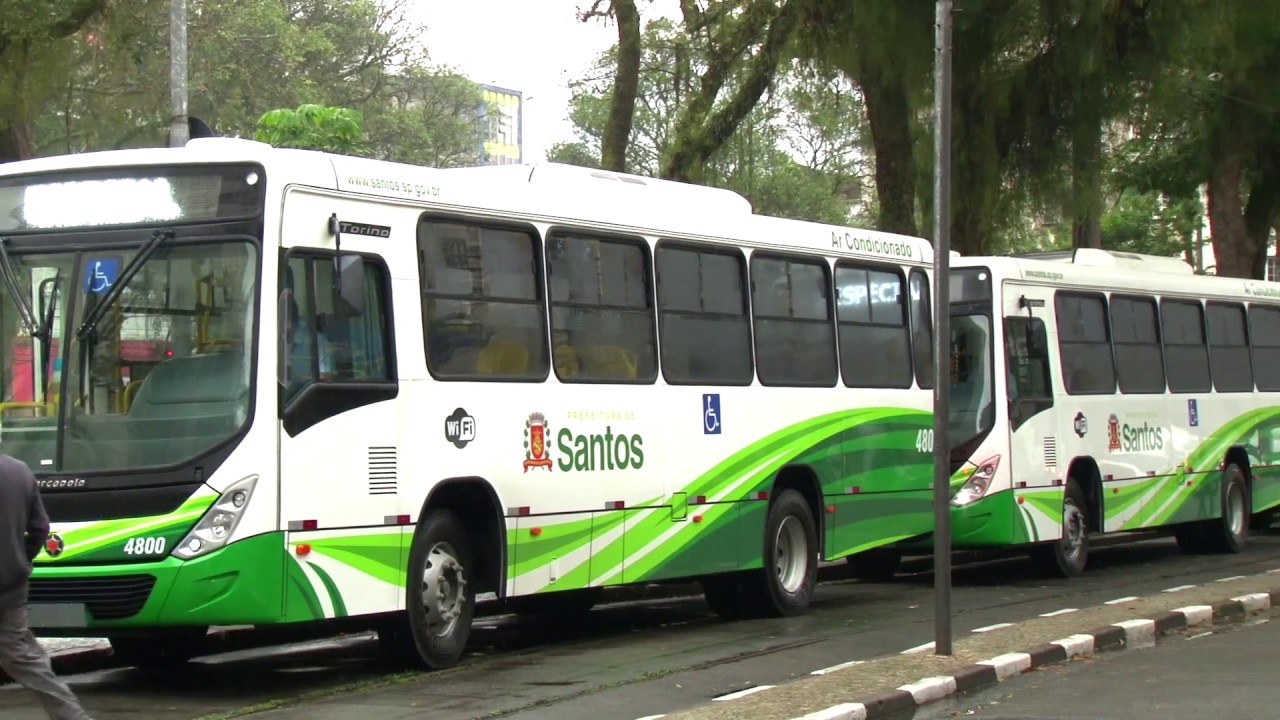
pixel 894 687
pixel 1229 674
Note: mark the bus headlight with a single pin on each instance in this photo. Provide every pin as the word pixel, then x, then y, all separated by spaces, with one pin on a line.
pixel 978 483
pixel 219 522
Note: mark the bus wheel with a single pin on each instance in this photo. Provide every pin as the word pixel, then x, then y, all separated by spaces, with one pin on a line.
pixel 159 650
pixel 441 600
pixel 560 605
pixel 790 556
pixel 1068 556
pixel 875 565
pixel 1229 532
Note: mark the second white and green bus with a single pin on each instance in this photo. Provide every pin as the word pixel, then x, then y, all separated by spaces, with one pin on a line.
pixel 1098 393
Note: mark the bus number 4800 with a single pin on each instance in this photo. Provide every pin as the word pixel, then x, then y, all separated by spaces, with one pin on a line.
pixel 145 546
pixel 924 440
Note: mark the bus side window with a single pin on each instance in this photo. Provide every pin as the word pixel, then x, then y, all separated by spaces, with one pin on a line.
pixel 1027 363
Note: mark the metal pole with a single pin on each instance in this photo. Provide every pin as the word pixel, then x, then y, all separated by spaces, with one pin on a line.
pixel 178 129
pixel 942 333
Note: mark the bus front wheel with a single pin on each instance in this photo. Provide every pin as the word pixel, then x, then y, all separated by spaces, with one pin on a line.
pixel 441 601
pixel 1068 556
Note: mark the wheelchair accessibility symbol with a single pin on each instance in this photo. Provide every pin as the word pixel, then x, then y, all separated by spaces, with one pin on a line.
pixel 100 274
pixel 711 414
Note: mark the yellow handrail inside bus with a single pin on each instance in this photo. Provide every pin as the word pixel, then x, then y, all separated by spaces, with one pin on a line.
pixel 26 405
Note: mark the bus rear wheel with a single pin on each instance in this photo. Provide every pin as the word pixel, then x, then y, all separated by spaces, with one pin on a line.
pixel 785 585
pixel 440 599
pixel 790 573
pixel 1229 531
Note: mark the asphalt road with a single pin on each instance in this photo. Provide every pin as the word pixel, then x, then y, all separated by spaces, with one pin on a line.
pixel 632 660
pixel 1228 674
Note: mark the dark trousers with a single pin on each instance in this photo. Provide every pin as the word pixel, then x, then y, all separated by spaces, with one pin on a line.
pixel 23 659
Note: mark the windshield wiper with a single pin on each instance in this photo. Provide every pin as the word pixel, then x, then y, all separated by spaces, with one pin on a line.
pixel 94 316
pixel 23 302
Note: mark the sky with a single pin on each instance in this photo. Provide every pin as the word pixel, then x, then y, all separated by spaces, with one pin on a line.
pixel 534 46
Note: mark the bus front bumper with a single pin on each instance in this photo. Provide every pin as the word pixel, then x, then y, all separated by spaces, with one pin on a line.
pixel 240 584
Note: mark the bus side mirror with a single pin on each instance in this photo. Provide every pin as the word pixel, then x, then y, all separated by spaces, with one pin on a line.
pixel 349 272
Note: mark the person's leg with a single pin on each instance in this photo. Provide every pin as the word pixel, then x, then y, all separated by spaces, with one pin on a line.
pixel 23 660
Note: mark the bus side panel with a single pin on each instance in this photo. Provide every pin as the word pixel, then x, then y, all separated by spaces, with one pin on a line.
pixel 1266 465
pixel 341 573
pixel 555 552
pixel 884 493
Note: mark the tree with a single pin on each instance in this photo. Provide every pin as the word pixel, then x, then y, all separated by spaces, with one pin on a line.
pixel 795 154
pixel 312 127
pixel 1209 118
pixel 731 30
pixel 249 57
pixel 33 35
pixel 427 116
pixel 622 103
pixel 886 50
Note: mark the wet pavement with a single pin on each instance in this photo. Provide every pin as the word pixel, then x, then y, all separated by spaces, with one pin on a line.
pixel 632 660
pixel 1228 674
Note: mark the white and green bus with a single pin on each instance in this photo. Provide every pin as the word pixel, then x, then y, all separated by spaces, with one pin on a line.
pixel 263 386
pixel 1097 392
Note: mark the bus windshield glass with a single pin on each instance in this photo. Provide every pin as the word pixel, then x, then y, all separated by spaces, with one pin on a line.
pixel 972 396
pixel 161 373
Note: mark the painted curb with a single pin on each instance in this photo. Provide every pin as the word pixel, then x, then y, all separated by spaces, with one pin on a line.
pixel 1126 634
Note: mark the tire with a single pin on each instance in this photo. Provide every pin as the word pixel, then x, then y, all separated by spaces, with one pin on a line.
pixel 875 565
pixel 1068 557
pixel 440 599
pixel 790 574
pixel 160 650
pixel 557 605
pixel 1230 531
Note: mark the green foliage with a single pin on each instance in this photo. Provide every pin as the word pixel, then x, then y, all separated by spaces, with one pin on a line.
pixel 1145 223
pixel 248 58
pixel 312 127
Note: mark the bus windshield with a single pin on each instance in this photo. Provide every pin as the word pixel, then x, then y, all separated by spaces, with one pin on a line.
pixel 972 396
pixel 139 355
pixel 972 381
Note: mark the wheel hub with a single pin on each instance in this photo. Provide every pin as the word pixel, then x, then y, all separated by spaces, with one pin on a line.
pixel 443 589
pixel 1073 530
pixel 1235 510
pixel 791 555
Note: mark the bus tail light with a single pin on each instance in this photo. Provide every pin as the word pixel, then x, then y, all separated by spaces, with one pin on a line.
pixel 978 483
pixel 219 523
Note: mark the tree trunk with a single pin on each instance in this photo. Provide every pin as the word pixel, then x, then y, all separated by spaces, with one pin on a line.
pixel 1233 251
pixel 1260 215
pixel 15 142
pixel 622 107
pixel 889 115
pixel 1086 172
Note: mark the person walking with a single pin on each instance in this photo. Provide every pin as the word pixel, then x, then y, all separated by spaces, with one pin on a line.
pixel 24 528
